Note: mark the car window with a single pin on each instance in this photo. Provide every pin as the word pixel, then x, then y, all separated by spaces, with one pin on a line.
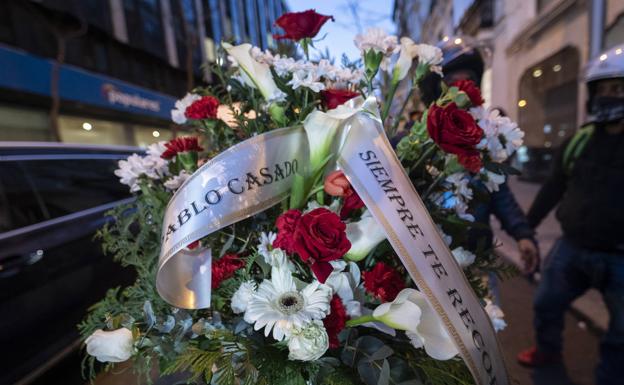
pixel 19 205
pixel 66 186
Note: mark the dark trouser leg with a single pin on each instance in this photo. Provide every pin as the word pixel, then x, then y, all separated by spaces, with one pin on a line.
pixel 562 281
pixel 610 371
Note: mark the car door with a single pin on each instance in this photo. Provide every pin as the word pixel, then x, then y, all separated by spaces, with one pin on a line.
pixel 51 268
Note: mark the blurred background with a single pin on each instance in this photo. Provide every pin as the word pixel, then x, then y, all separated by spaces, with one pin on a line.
pixel 108 72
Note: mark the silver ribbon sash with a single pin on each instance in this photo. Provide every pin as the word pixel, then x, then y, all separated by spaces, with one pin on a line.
pixel 376 174
pixel 244 180
pixel 258 173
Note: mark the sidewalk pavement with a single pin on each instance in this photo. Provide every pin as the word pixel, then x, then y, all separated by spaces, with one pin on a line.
pixel 589 308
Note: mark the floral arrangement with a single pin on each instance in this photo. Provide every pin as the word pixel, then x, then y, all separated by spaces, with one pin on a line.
pixel 309 291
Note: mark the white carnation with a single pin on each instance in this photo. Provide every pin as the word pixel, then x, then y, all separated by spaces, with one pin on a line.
pixel 242 296
pixel 378 40
pixel 131 169
pixel 308 343
pixel 430 55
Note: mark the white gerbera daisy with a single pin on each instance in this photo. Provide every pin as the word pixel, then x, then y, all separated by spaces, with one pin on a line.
pixel 277 304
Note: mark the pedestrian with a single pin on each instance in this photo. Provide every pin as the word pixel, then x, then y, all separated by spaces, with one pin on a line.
pixel 587 181
pixel 463 61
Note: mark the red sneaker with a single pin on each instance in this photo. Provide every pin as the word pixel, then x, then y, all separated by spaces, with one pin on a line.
pixel 534 358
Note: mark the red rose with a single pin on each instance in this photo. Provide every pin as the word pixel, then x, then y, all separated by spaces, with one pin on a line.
pixel 179 145
pixel 471 89
pixel 300 25
pixel 286 224
pixel 453 129
pixel 204 108
pixel 335 321
pixel 471 163
pixel 351 202
pixel 383 282
pixel 337 185
pixel 332 98
pixel 224 268
pixel 319 238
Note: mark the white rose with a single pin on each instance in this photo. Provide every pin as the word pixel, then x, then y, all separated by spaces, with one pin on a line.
pixel 241 297
pixel 114 346
pixel 308 343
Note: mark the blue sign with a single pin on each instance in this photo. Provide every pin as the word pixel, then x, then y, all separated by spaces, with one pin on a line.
pixel 28 73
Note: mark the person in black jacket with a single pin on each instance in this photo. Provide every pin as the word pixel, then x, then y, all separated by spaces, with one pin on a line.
pixel 588 183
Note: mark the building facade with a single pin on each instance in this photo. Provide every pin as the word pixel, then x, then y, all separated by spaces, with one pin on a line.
pixel 109 71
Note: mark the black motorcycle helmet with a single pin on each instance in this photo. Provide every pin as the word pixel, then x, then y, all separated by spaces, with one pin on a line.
pixel 461 60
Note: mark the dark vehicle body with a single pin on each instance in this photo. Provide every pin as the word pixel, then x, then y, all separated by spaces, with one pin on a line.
pixel 52 201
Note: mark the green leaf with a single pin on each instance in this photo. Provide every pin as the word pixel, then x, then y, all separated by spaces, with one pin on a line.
pixel 298 191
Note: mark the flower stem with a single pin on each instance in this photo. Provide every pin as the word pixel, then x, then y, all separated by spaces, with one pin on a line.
pixel 388 104
pixel 396 121
pixel 425 156
pixel 361 320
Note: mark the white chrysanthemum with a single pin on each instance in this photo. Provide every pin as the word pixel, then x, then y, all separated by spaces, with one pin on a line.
pixel 378 40
pixel 502 135
pixel 135 166
pixel 242 296
pixel 344 284
pixel 178 113
pixel 493 181
pixel 177 180
pixel 459 181
pixel 464 257
pixel 278 306
pixel 496 315
pixel 308 79
pixel 266 243
pixel 308 343
pixel 156 149
pixel 430 55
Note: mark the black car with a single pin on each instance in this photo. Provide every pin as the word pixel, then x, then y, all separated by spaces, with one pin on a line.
pixel 52 200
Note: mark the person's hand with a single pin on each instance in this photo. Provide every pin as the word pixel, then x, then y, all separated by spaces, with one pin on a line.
pixel 529 254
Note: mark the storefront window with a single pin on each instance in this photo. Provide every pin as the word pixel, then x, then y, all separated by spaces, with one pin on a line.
pixel 23 124
pixel 144 135
pixel 547 106
pixel 86 130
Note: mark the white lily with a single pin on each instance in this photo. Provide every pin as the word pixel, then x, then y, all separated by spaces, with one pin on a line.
pixel 404 62
pixel 255 74
pixel 364 235
pixel 321 128
pixel 411 312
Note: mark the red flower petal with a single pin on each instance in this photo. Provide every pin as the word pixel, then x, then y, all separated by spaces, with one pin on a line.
pixel 204 108
pixel 300 25
pixel 179 145
pixel 335 321
pixel 383 282
pixel 332 98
